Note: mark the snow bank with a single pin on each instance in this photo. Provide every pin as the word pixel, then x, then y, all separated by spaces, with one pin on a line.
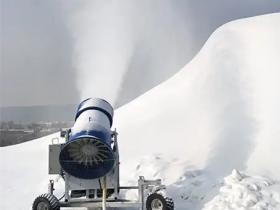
pixel 23 173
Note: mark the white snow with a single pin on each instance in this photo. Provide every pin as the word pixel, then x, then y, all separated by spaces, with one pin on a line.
pixel 196 189
pixel 219 113
pixel 221 110
pixel 23 173
pixel 246 193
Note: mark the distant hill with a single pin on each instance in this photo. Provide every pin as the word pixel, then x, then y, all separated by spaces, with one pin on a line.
pixel 49 113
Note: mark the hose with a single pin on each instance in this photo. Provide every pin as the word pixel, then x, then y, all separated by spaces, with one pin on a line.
pixel 104 193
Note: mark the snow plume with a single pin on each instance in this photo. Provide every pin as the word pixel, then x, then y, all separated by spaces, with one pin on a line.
pixel 102 48
pixel 123 48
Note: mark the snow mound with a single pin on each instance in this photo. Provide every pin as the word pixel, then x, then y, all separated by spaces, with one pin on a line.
pixel 196 189
pixel 243 192
pixel 188 186
pixel 221 111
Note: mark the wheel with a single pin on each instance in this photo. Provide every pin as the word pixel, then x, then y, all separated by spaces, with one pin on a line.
pixel 46 202
pixel 158 202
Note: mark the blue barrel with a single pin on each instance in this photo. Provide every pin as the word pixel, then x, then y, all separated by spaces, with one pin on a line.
pixel 88 153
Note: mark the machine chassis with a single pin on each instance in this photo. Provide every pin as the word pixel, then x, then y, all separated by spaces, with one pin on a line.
pixel 151 186
pixel 144 188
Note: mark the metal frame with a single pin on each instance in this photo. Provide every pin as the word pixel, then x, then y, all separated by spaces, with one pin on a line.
pixel 144 188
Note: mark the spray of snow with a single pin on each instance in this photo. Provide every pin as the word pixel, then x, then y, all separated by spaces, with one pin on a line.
pixel 120 46
pixel 103 46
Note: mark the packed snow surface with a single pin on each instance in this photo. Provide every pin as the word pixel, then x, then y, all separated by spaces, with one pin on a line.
pixel 219 113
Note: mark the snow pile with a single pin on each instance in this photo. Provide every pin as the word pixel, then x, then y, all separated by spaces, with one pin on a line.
pixel 246 193
pixel 196 189
pixel 221 111
pixel 188 186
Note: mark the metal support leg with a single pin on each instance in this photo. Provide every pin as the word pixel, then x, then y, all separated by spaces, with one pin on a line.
pixel 67 196
pixel 117 168
pixel 141 192
pixel 51 187
pixel 87 194
pixel 95 194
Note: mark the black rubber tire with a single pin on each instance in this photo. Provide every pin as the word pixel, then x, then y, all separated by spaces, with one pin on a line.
pixel 167 203
pixel 51 202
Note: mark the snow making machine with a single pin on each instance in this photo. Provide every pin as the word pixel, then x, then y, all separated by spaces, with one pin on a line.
pixel 88 161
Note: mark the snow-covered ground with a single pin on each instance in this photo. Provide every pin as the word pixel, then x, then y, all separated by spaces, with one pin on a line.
pixel 219 113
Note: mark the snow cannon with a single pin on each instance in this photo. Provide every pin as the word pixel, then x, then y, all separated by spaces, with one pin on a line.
pixel 87 153
pixel 86 156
